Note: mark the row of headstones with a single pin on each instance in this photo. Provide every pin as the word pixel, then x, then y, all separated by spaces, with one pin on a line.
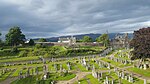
pixel 124 53
pixel 99 75
pixel 107 81
pixel 31 71
pixel 142 65
pixel 24 63
pixel 36 72
pixel 125 76
pixel 105 52
pixel 3 71
pixel 121 75
pixel 61 68
pixel 123 61
pixel 103 64
pixel 100 63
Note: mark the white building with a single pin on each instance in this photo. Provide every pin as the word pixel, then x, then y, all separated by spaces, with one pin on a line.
pixel 71 40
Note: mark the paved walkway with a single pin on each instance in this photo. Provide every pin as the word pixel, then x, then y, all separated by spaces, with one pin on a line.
pixel 8 80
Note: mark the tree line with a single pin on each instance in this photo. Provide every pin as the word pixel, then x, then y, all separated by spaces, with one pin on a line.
pixel 15 37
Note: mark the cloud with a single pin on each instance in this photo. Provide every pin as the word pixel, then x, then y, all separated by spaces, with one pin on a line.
pixel 47 18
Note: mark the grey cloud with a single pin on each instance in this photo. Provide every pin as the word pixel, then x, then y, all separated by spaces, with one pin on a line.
pixel 46 18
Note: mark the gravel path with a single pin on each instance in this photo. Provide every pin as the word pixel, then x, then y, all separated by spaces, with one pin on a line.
pixel 79 75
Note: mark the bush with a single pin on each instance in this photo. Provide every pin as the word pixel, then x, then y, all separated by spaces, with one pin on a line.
pixel 14 50
pixel 23 53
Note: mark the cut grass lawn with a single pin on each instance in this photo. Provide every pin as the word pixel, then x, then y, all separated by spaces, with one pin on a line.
pixel 20 59
pixel 4 76
pixel 111 76
pixel 118 64
pixel 142 72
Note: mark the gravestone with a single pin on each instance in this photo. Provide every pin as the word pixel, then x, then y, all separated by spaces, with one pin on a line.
pixel 108 66
pixel 36 71
pixel 112 81
pixel 55 67
pixel 94 74
pixel 84 62
pixel 145 81
pixel 44 77
pixel 68 66
pixel 61 68
pixel 122 76
pixel 20 75
pixel 28 72
pixel 145 66
pixel 126 77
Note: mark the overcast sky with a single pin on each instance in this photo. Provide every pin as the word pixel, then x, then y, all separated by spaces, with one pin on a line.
pixel 48 18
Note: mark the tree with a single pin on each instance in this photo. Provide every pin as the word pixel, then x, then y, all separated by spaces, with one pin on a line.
pixel 87 39
pixel 0 39
pixel 141 43
pixel 42 40
pixel 104 38
pixel 31 42
pixel 14 36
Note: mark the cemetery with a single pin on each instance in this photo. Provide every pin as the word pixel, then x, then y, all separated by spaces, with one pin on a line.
pixel 111 63
pixel 114 68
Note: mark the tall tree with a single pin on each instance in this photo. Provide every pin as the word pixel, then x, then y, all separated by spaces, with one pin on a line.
pixel 104 38
pixel 141 43
pixel 0 39
pixel 42 40
pixel 87 39
pixel 14 36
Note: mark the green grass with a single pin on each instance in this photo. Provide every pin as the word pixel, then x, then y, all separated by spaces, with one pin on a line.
pixel 111 76
pixel 4 76
pixel 118 64
pixel 92 79
pixel 64 65
pixel 83 81
pixel 53 76
pixel 82 68
pixel 27 80
pixel 20 59
pixel 142 72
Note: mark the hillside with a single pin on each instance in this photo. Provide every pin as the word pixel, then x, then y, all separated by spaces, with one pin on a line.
pixel 92 35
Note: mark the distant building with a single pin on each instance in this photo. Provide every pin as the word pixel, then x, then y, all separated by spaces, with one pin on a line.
pixel 70 40
pixel 120 41
pixel 27 41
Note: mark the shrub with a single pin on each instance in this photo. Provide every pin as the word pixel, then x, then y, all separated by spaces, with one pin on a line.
pixel 23 53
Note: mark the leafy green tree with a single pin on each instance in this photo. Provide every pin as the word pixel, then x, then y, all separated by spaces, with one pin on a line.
pixel 87 39
pixel 31 42
pixel 42 40
pixel 14 36
pixel 38 46
pixel 104 38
